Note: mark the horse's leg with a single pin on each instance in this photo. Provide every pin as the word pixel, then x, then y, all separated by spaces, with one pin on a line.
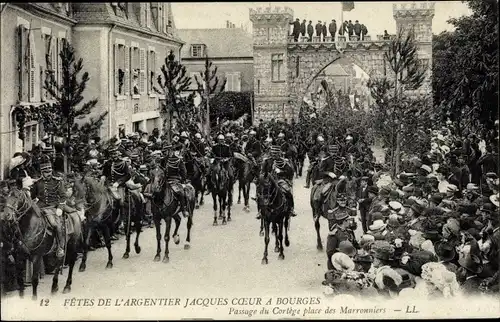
pixel 187 245
pixel 266 241
pixel 261 232
pixel 202 192
pixel 319 243
pixel 229 204
pixel 127 228
pixel 168 223
pixel 107 240
pixel 138 229
pixel 177 219
pixel 196 204
pixel 222 208
pixel 214 198
pixel 246 195
pixel 36 275
pixel 279 237
pixel 287 222
pixel 20 263
pixel 240 187
pixel 71 254
pixel 275 232
pixel 87 232
pixel 57 270
pixel 157 221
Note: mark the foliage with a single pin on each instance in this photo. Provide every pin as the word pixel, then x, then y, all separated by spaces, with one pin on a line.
pixel 401 118
pixel 230 105
pixel 465 69
pixel 173 82
pixel 207 87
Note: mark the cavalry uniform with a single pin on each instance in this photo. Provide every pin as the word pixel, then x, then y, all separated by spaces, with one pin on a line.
pixel 313 155
pixel 175 173
pixel 220 151
pixel 50 192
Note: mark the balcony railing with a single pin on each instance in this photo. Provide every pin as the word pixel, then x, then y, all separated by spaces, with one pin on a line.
pixel 338 38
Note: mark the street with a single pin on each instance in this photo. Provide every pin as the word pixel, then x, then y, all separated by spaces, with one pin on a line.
pixel 223 261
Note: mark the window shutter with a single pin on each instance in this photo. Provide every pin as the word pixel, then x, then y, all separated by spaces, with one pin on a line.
pixel 127 70
pixel 32 69
pixel 59 62
pixel 237 80
pixel 21 42
pixel 165 18
pixel 115 63
pixel 142 74
pixel 148 15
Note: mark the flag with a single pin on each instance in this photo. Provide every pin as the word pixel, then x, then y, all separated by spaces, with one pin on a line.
pixel 347 5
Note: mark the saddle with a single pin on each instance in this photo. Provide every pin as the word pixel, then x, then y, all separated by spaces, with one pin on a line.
pixel 72 221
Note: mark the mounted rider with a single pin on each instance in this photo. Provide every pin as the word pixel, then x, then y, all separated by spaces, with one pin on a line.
pixel 283 171
pixel 50 194
pixel 176 175
pixel 313 158
pixel 254 148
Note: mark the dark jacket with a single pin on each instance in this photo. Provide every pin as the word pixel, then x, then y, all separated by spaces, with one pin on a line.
pixel 310 29
pixel 319 28
pixel 325 30
pixel 332 28
pixel 357 28
pixel 296 27
pixel 303 28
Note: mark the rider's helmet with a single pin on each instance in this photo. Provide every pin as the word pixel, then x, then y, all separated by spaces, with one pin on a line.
pixel 198 135
pixel 348 138
pixel 220 137
pixel 275 151
pixel 252 132
pixel 184 135
pixel 281 135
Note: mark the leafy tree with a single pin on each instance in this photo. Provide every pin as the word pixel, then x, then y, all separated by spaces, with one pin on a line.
pixel 207 88
pixel 398 112
pixel 465 69
pixel 173 82
pixel 59 119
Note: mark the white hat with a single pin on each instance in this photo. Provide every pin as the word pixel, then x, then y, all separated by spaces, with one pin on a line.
pixel 253 132
pixel 426 168
pixel 184 134
pixel 320 138
pixel 494 199
pixel 342 262
pixel 281 135
pixel 377 225
pixel 198 135
pixel 269 139
pixel 446 149
pixel 14 162
pixel 348 137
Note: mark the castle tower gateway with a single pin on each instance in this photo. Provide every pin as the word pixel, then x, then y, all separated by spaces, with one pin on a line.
pixel 284 69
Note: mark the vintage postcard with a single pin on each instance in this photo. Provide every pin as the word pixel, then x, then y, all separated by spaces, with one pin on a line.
pixel 249 160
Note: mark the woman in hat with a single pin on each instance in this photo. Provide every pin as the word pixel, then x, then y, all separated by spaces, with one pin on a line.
pixel 378 230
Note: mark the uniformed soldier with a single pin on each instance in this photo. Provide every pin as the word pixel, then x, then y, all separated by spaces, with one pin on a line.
pixel 175 173
pixel 116 173
pixel 253 149
pixel 313 158
pixel 50 195
pixel 283 170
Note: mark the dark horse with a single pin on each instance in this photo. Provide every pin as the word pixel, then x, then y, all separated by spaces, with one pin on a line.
pixel 246 174
pixel 99 216
pixel 133 209
pixel 222 188
pixel 323 198
pixel 30 230
pixel 275 210
pixel 165 206
pixel 197 178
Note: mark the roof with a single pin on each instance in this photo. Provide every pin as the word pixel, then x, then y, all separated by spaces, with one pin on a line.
pixel 221 43
pixel 335 70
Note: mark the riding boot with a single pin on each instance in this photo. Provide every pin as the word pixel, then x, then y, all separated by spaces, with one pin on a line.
pixel 60 239
pixel 259 215
pixel 183 205
pixel 308 179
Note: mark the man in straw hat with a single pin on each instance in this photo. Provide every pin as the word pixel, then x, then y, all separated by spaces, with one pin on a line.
pixel 50 194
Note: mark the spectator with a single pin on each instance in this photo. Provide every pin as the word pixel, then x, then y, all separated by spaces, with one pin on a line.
pixel 343 28
pixel 357 29
pixel 332 28
pixel 386 35
pixel 319 28
pixel 364 31
pixel 324 30
pixel 310 30
pixel 303 28
pixel 296 29
pixel 350 28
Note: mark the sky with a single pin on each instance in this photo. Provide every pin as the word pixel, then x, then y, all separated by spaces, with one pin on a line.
pixel 377 16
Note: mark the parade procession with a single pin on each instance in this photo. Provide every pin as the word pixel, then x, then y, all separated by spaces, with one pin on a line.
pixel 320 181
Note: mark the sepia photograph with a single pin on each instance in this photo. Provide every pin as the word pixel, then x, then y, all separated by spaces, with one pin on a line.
pixel 249 160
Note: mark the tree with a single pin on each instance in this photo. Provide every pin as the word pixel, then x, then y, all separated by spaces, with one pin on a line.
pixel 207 87
pixel 59 119
pixel 465 69
pixel 173 82
pixel 397 109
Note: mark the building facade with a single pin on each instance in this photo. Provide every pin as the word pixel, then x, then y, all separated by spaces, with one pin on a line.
pixel 123 46
pixel 229 49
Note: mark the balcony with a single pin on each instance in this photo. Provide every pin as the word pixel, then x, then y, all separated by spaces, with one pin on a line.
pixel 338 39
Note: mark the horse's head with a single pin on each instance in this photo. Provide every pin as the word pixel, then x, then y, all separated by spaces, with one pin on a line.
pixel 157 180
pixel 267 190
pixel 15 206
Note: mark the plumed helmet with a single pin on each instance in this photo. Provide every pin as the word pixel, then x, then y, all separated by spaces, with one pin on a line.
pixel 252 132
pixel 220 137
pixel 198 135
pixel 281 135
pixel 184 134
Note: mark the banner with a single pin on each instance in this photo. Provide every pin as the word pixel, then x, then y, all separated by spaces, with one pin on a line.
pixel 347 6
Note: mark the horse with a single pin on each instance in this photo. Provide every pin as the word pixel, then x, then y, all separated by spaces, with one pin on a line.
pixel 165 206
pixel 99 216
pixel 221 189
pixel 323 198
pixel 275 210
pixel 197 179
pixel 133 210
pixel 246 175
pixel 30 230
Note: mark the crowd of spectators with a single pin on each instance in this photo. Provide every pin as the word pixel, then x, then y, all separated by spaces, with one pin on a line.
pixel 355 31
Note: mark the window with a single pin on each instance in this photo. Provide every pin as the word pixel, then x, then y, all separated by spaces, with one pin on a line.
pixel 155 14
pixel 31 135
pixel 51 57
pixel 137 126
pixel 59 44
pixel 151 124
pixel 233 82
pixel 27 65
pixel 151 71
pixel 166 22
pixel 277 72
pixel 147 8
pixel 136 69
pixel 196 50
pixel 121 131
pixel 122 75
